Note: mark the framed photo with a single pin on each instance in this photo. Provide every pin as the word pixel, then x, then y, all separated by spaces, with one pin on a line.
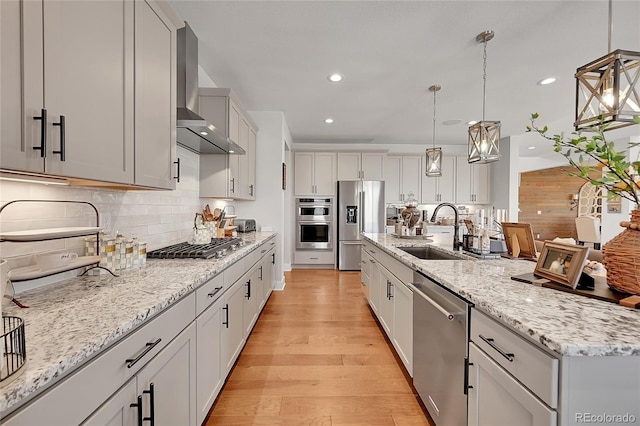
pixel 519 240
pixel 561 263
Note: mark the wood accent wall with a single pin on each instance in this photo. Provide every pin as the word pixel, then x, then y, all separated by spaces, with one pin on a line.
pixel 549 191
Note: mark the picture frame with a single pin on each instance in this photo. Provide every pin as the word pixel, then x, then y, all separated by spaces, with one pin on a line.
pixel 519 240
pixel 561 263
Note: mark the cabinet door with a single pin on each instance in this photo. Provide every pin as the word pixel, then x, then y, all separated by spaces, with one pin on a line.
pixel 232 327
pixel 117 410
pixel 243 161
pixel 268 275
pixel 372 166
pixel 447 182
pixel 251 164
pixel 18 137
pixel 233 164
pixel 497 399
pixel 88 79
pixel 324 173
pixel 464 190
pixel 385 313
pixel 234 122
pixel 155 106
pixel 252 292
pixel 349 166
pixel 173 375
pixel 403 323
pixel 374 286
pixel 304 173
pixel 208 358
pixel 392 176
pixel 481 181
pixel 410 176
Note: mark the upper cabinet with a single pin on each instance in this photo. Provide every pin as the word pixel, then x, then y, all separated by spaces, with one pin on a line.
pixel 228 176
pixel 315 173
pixel 473 182
pixel 401 175
pixel 90 93
pixel 356 166
pixel 439 189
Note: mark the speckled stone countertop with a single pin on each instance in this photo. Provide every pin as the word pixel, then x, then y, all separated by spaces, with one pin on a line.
pixel 68 323
pixel 567 324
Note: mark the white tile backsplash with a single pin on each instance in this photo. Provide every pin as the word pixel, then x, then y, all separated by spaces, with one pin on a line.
pixel 158 217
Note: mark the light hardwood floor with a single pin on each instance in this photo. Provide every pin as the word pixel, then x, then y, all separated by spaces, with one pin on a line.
pixel 317 357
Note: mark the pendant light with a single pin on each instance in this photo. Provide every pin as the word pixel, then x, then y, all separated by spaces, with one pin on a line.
pixel 484 136
pixel 434 155
pixel 608 89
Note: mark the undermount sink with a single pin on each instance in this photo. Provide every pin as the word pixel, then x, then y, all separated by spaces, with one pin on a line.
pixel 429 253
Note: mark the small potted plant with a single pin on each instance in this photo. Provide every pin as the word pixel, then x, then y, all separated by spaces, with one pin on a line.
pixel 599 162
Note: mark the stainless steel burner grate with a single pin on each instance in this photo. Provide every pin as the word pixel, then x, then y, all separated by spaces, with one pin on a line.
pixel 216 248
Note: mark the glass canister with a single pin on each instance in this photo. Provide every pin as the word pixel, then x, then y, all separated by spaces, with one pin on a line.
pixel 410 214
pixel 128 253
pixel 142 253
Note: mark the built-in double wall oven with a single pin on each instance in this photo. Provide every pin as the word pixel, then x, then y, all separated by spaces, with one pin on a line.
pixel 314 225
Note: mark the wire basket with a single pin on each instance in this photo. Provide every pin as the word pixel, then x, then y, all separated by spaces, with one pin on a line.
pixel 14 353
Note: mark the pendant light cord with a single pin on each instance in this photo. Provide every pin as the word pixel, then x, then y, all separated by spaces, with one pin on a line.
pixel 434 118
pixel 484 79
pixel 610 29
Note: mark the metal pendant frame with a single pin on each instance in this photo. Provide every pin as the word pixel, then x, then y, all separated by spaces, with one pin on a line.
pixel 484 142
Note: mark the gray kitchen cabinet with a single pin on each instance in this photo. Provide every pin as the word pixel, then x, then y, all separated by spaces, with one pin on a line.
pixel 209 357
pixel 71 89
pixel 373 276
pixel 315 173
pixel 117 411
pixel 439 189
pixel 473 182
pixel 252 293
pixel 356 166
pixel 231 175
pixel 386 284
pixel 401 176
pixel 402 333
pixel 233 329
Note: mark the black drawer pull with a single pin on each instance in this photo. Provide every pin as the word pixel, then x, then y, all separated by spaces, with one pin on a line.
pixel 177 176
pixel 139 406
pixel 490 341
pixel 149 347
pixel 61 123
pixel 248 295
pixel 226 315
pixel 43 133
pixel 214 292
pixel 152 418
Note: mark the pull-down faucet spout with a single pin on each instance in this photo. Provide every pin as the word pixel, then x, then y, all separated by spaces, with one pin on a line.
pixel 456 237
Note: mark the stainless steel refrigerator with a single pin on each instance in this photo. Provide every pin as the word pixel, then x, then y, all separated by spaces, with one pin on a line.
pixel 361 208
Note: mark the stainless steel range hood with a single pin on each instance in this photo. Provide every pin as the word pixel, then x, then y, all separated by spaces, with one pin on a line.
pixel 194 132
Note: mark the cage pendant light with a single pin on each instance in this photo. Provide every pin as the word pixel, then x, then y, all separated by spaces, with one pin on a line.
pixel 484 136
pixel 608 88
pixel 434 155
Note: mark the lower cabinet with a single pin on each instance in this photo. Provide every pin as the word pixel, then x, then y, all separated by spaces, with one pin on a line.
pixel 209 358
pixel 252 293
pixel 232 339
pixel 403 324
pixel 386 283
pixel 163 392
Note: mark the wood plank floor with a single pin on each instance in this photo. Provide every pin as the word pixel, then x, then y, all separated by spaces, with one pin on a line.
pixel 317 357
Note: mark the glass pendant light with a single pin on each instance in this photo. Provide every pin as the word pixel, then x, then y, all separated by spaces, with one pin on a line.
pixel 608 89
pixel 484 136
pixel 434 155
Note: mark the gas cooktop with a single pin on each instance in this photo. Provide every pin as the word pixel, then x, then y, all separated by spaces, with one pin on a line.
pixel 218 247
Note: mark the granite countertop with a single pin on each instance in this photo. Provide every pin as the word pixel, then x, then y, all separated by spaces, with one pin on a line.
pixel 567 324
pixel 68 323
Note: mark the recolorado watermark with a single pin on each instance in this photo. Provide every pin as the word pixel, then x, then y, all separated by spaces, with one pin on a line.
pixel 605 418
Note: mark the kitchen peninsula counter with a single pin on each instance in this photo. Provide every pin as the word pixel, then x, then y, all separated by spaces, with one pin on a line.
pixel 70 322
pixel 564 323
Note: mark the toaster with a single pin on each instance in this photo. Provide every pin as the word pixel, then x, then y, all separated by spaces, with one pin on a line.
pixel 245 225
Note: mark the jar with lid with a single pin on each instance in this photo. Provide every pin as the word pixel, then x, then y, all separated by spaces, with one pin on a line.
pixel 410 214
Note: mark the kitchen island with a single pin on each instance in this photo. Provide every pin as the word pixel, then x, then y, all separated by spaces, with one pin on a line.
pixel 70 323
pixel 596 344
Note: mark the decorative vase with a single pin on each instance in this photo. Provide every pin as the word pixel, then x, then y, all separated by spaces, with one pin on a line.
pixel 622 257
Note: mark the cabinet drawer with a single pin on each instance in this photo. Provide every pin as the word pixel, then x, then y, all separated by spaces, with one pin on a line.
pixel 314 257
pixel 534 368
pixel 77 396
pixel 253 257
pixel 397 268
pixel 234 272
pixel 209 292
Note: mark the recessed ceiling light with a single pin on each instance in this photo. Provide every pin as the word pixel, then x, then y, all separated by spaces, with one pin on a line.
pixel 335 77
pixel 547 80
pixel 204 133
pixel 231 151
pixel 471 123
pixel 531 147
pixel 452 122
pixel 328 120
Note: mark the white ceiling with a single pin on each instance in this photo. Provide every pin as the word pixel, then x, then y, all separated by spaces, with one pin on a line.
pixel 276 55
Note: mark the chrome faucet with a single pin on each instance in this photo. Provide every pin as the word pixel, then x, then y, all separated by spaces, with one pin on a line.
pixel 456 237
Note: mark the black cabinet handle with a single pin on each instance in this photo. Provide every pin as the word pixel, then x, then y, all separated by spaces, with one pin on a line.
pixel 248 296
pixel 251 190
pixel 261 273
pixel 149 346
pixel 152 418
pixel 467 364
pixel 177 163
pixel 390 290
pixel 43 133
pixel 61 123
pixel 273 258
pixel 491 343
pixel 233 185
pixel 226 310
pixel 139 406
pixel 214 292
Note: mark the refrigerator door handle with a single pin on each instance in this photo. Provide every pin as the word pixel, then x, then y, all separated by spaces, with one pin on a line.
pixel 351 243
pixel 361 218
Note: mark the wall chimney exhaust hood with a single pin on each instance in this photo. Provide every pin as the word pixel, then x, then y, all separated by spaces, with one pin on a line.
pixel 192 131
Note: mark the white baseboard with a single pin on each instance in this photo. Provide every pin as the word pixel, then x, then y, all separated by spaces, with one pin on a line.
pixel 286 267
pixel 279 285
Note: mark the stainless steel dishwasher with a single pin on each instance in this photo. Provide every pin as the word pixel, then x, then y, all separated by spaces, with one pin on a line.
pixel 440 351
